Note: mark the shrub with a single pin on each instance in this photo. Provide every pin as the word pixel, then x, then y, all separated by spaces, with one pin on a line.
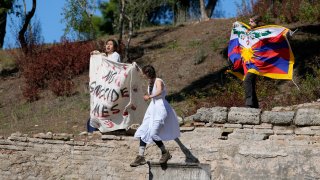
pixel 282 10
pixel 309 12
pixel 54 67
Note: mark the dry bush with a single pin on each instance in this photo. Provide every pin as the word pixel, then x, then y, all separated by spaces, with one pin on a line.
pixel 54 67
pixel 276 11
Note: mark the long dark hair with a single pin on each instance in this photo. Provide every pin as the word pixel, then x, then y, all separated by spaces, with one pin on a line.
pixel 149 71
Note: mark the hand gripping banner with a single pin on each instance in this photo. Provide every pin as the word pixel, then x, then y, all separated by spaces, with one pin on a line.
pixel 116 94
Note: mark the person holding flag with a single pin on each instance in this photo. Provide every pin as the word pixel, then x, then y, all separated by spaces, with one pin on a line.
pixel 259 50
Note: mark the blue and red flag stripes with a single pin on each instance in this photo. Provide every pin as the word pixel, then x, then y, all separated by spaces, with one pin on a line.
pixel 264 51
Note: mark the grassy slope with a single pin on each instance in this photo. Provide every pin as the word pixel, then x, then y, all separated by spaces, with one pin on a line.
pixel 190 58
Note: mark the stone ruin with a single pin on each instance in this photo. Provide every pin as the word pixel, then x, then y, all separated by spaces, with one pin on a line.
pixel 215 143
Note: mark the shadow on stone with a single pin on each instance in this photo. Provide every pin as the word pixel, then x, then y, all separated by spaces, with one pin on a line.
pixel 190 158
pixel 164 166
pixel 150 172
pixel 179 171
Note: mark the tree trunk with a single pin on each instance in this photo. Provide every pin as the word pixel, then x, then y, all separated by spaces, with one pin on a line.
pixel 3 24
pixel 204 16
pixel 210 7
pixel 175 13
pixel 4 8
pixel 126 56
pixel 22 39
pixel 121 6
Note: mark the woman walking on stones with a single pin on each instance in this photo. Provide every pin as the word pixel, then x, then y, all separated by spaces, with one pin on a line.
pixel 160 121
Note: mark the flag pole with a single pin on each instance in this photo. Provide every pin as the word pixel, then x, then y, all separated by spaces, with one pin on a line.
pixel 296 85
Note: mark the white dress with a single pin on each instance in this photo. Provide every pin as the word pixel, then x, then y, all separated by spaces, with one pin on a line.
pixel 160 121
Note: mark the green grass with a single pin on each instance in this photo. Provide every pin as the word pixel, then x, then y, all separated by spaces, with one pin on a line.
pixel 7 62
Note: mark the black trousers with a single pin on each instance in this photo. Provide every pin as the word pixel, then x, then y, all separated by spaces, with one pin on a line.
pixel 158 143
pixel 251 99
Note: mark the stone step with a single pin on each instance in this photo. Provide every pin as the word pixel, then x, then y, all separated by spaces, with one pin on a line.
pixel 179 171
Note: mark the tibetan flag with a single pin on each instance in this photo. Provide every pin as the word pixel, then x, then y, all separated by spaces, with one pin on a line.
pixel 264 51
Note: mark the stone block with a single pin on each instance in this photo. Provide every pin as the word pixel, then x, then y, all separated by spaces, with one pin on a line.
pixel 75 143
pixel 279 118
pixel 283 132
pixel 315 127
pixel 62 136
pixel 217 125
pixel 188 119
pixel 281 137
pixel 263 131
pixel 239 115
pixel 237 136
pixel 241 134
pixel 16 138
pixel 211 132
pixel 36 140
pixel 179 171
pixel 246 131
pixel 304 131
pixel 5 142
pixel 257 137
pixel 247 126
pixel 227 125
pixel 263 126
pixel 227 130
pixel 307 117
pixel 55 142
pixel 12 147
pixel 110 137
pixel 214 114
pixel 185 129
pixel 197 124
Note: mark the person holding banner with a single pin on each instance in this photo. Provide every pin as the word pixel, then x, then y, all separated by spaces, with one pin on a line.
pixel 111 47
pixel 160 122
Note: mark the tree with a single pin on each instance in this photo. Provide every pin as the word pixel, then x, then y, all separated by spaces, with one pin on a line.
pixel 6 6
pixel 110 12
pixel 180 11
pixel 23 30
pixel 207 10
pixel 79 18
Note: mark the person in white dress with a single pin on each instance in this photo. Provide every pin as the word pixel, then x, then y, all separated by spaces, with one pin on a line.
pixel 160 122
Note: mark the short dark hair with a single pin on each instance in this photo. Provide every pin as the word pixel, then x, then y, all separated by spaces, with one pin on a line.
pixel 149 71
pixel 115 44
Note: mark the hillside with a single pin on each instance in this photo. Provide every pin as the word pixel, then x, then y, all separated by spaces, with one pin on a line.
pixel 191 58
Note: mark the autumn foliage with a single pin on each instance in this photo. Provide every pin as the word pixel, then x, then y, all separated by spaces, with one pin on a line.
pixel 54 68
pixel 288 10
pixel 282 11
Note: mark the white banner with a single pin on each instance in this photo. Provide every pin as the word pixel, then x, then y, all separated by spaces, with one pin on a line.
pixel 116 94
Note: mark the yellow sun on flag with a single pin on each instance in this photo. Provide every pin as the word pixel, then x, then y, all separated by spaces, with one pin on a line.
pixel 247 54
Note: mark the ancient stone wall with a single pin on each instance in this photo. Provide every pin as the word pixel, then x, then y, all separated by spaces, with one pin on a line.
pixel 240 144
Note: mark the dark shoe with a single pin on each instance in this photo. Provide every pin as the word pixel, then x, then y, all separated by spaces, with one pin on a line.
pixel 138 161
pixel 165 157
